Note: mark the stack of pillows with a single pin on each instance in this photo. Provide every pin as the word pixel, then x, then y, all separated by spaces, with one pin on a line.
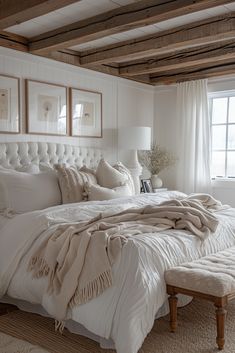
pixel 105 183
pixel 34 187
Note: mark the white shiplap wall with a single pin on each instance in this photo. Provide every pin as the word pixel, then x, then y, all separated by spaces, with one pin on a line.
pixel 125 103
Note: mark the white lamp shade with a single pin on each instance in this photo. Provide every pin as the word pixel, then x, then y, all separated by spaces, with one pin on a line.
pixel 134 138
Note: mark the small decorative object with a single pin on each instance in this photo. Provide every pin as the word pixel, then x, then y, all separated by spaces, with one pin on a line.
pixel 146 185
pixel 155 160
pixel 86 110
pixel 46 108
pixel 156 181
pixel 9 104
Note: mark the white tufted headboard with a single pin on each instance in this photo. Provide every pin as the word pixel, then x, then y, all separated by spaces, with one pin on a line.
pixel 17 154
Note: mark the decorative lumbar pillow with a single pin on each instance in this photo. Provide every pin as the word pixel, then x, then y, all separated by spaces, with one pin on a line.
pixel 72 183
pixel 108 176
pixel 99 193
pixel 24 192
pixel 125 171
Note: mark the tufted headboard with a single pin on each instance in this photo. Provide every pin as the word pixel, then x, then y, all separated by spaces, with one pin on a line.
pixel 17 154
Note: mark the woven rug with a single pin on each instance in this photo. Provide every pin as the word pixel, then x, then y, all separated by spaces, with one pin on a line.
pixel 9 344
pixel 196 333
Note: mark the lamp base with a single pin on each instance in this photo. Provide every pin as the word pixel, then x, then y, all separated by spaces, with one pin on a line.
pixel 135 169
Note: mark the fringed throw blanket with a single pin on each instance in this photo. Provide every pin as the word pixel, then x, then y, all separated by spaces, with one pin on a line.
pixel 77 258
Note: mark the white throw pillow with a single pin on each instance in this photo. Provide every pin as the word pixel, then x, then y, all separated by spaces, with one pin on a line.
pixel 24 192
pixel 72 183
pixel 99 193
pixel 108 176
pixel 125 171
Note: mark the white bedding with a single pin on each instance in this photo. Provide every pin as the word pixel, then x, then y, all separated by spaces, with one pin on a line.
pixel 3 221
pixel 126 311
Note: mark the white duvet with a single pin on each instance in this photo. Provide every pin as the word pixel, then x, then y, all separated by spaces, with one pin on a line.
pixel 126 311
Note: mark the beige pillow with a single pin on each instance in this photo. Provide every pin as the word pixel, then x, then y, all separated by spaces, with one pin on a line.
pixel 99 193
pixel 72 183
pixel 108 176
pixel 125 171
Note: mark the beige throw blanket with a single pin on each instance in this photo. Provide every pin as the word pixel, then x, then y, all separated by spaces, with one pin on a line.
pixel 78 257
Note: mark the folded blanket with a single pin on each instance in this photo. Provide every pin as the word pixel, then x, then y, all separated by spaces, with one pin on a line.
pixel 78 257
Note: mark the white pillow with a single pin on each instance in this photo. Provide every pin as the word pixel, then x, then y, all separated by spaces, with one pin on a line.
pixel 24 192
pixel 108 176
pixel 99 193
pixel 125 171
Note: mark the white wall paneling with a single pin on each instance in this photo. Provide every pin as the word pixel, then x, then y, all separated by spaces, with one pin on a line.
pixel 125 103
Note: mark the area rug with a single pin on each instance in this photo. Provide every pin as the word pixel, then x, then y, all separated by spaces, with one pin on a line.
pixel 9 344
pixel 195 334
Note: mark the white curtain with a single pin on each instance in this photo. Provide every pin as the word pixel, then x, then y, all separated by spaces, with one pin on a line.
pixel 193 173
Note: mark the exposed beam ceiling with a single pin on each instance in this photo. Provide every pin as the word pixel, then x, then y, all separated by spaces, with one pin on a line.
pixel 197 33
pixel 195 56
pixel 13 41
pixel 125 18
pixel 13 12
pixel 199 49
pixel 221 69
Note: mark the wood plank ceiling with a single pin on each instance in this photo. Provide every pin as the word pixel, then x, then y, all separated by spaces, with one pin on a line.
pixel 150 41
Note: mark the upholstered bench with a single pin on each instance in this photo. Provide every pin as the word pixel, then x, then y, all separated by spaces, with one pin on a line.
pixel 212 278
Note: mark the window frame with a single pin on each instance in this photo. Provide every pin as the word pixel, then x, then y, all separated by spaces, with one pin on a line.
pixel 211 96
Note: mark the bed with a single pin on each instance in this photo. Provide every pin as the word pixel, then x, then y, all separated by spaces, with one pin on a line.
pixel 122 315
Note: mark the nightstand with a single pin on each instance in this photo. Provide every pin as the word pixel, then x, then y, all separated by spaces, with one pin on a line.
pixel 160 189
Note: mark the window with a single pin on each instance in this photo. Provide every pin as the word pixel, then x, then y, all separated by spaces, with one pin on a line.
pixel 222 110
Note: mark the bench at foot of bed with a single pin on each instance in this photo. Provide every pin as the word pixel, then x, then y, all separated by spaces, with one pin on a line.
pixel 211 278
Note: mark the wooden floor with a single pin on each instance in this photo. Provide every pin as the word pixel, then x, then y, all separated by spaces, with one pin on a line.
pixel 7 308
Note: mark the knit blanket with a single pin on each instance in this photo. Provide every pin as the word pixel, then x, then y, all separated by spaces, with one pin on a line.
pixel 78 257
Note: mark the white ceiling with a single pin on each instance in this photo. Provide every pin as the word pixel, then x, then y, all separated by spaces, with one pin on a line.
pixel 87 8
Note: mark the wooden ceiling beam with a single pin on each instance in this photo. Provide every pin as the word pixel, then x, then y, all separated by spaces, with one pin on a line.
pixel 13 41
pixel 195 56
pixel 71 57
pixel 13 12
pixel 141 13
pixel 211 30
pixel 216 70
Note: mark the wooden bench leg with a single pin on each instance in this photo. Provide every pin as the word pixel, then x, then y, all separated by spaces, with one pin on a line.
pixel 220 320
pixel 173 311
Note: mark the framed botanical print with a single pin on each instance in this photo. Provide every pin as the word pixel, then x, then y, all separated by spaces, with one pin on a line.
pixel 9 104
pixel 46 108
pixel 86 113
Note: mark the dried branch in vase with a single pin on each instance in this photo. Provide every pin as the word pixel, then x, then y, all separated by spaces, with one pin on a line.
pixel 156 159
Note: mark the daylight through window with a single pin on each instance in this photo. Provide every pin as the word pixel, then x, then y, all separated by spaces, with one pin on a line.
pixel 222 110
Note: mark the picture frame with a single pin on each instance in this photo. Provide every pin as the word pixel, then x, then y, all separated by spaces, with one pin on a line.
pixel 46 108
pixel 9 104
pixel 85 113
pixel 146 185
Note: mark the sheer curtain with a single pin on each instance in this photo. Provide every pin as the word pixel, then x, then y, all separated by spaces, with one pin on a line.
pixel 193 173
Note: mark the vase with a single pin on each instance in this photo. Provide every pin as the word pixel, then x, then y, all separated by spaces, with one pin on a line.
pixel 156 181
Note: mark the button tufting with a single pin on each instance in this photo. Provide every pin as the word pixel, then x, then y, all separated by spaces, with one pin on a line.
pixel 15 154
